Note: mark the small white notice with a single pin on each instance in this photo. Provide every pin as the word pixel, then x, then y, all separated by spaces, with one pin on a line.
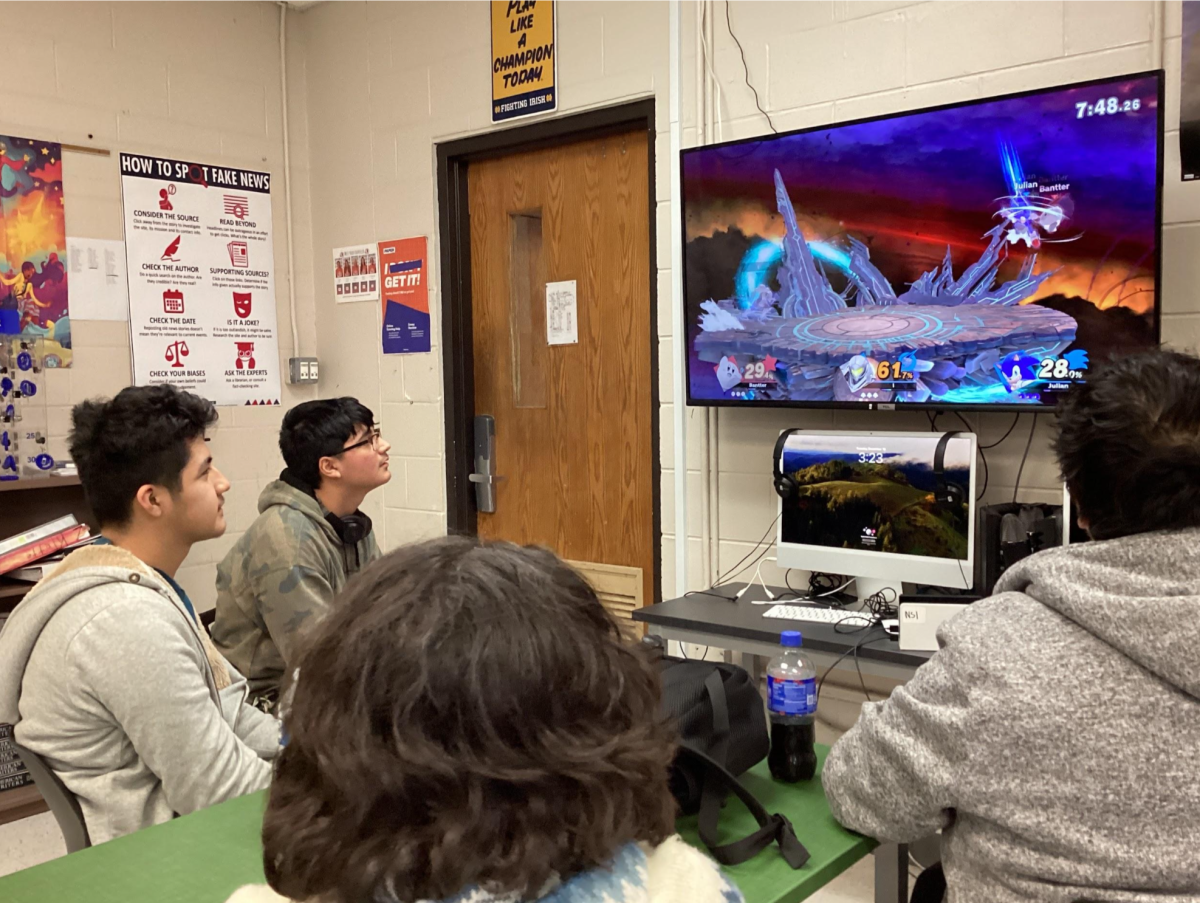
pixel 562 313
pixel 99 287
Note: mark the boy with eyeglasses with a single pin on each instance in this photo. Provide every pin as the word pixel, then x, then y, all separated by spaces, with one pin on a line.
pixel 307 541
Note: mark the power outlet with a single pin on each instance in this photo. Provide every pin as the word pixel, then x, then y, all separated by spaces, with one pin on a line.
pixel 302 370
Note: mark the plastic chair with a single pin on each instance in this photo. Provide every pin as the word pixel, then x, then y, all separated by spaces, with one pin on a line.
pixel 62 801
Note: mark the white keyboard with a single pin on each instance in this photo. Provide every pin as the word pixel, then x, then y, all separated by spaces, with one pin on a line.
pixel 815 614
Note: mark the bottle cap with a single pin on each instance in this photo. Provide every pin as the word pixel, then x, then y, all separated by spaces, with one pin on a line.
pixel 791 638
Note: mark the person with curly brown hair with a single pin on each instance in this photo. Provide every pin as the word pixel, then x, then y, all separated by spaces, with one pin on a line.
pixel 469 724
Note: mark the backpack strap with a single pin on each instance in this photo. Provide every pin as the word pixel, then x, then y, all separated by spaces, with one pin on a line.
pixel 773 828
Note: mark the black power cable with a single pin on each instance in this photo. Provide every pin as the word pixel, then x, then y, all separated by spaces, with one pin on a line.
pixel 746 69
pixel 1024 458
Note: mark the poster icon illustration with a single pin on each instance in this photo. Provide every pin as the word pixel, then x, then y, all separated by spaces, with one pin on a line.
pixel 237 205
pixel 172 301
pixel 245 355
pixel 239 254
pixel 176 352
pixel 171 250
pixel 241 304
pixel 164 197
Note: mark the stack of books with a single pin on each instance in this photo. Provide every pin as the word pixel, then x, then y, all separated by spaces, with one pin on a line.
pixel 13 773
pixel 34 554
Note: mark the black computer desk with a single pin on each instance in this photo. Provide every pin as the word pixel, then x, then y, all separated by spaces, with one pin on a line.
pixel 739 626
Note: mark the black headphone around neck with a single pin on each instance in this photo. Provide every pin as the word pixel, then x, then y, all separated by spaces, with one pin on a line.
pixel 785 486
pixel 351 529
pixel 945 493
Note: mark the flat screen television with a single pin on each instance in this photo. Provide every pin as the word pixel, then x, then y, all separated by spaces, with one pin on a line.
pixel 981 255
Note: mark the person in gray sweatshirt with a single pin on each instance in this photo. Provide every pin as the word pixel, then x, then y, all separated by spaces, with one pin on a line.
pixel 1055 737
pixel 105 670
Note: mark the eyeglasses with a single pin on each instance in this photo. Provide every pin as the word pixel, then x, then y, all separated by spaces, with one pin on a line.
pixel 373 437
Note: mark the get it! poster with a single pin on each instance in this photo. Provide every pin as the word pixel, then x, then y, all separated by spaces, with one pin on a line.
pixel 33 246
pixel 405 296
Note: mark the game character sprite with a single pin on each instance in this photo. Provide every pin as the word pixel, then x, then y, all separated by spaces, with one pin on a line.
pixel 859 372
pixel 1017 370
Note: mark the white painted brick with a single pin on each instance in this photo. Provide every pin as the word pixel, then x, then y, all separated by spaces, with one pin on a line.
pixel 93 216
pixel 947 40
pixel 100 333
pixel 733 552
pixel 1173 62
pixel 425 479
pixel 748 436
pixel 66 122
pixel 147 133
pixel 748 504
pixel 391 378
pixel 414 430
pixel 202 98
pixel 58 420
pixel 755 125
pixel 422 377
pixel 695 565
pixel 804 69
pixel 1182 331
pixel 1181 267
pixel 1090 25
pixel 634 37
pixel 241 504
pixel 914 98
pixel 875 52
pixel 249 151
pixel 666 307
pixel 857 9
pixel 395 490
pixel 663 233
pixel 696 488
pixel 695 433
pixel 406 526
pixel 666 370
pixel 1120 61
pixel 1173 24
pixel 92 176
pixel 58 386
pixel 664 190
pixel 459 84
pixel 108 80
pixel 27 77
pixel 83 24
pixel 580 42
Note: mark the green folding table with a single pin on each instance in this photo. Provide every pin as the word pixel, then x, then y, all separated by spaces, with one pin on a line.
pixel 204 857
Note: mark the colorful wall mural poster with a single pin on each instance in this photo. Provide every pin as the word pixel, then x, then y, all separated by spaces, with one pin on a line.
pixel 33 246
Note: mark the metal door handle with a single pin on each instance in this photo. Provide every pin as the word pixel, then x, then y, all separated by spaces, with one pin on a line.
pixel 484 477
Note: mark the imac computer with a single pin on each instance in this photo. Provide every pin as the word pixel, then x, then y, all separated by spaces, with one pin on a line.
pixel 884 508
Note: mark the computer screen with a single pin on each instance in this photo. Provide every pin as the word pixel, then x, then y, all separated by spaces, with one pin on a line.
pixel 865 505
pixel 984 255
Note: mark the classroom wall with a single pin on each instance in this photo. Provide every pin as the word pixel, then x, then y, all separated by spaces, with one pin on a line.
pixel 387 81
pixel 192 81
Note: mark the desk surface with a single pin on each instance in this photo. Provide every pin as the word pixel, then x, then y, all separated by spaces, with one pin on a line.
pixel 767 878
pixel 206 856
pixel 744 620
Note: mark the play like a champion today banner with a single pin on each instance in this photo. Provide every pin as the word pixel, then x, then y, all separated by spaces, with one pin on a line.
pixel 201 286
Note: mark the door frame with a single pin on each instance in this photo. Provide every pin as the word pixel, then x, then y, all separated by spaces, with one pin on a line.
pixel 454 233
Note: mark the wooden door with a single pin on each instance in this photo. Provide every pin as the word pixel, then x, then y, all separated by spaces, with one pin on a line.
pixel 574 422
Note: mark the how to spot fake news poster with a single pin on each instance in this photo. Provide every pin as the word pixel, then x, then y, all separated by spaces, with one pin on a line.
pixel 201 289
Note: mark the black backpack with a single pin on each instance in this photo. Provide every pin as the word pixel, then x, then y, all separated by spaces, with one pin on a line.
pixel 723 733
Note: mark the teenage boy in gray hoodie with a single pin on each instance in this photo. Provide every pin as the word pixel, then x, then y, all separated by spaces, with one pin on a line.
pixel 1055 738
pixel 104 668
